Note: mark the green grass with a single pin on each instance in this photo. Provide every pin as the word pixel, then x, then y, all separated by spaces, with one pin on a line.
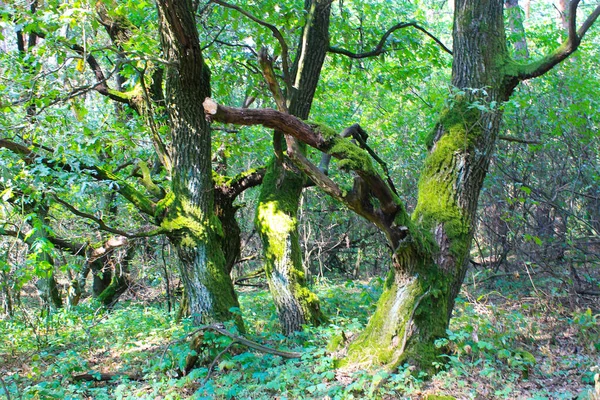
pixel 501 347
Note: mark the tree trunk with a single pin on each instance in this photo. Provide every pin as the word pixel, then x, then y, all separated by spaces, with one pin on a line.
pixel 119 282
pixel 276 216
pixel 419 295
pixel 194 230
pixel 46 283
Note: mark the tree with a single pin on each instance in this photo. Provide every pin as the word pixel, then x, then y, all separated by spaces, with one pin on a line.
pixel 276 217
pixel 431 246
pixel 179 208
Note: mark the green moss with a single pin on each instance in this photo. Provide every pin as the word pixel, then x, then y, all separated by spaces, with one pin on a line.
pixel 437 194
pixel 226 181
pixel 511 67
pixel 438 397
pixel 152 187
pixel 163 206
pixel 351 157
pixel 116 287
pixel 325 131
pixel 277 208
pixel 381 341
pixel 277 224
pixel 335 343
pixel 187 221
pixel 128 191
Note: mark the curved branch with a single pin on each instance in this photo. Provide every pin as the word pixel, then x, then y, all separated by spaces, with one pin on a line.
pixel 379 49
pixel 266 63
pixel 351 158
pixel 101 85
pixel 276 33
pixel 540 67
pixel 233 187
pixel 102 225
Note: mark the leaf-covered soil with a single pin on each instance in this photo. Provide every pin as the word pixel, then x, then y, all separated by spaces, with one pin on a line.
pixel 508 340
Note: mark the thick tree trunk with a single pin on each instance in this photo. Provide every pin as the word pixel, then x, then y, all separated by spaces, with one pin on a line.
pixel 416 306
pixel 276 217
pixel 195 231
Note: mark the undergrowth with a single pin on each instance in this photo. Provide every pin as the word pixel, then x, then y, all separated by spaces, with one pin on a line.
pixel 501 347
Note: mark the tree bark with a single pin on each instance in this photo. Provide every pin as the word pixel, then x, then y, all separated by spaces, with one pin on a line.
pixel 276 217
pixel 194 230
pixel 416 306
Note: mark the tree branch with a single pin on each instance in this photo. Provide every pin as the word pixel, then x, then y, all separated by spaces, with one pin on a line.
pixel 219 328
pixel 276 33
pixel 540 67
pixel 243 181
pixel 379 49
pixel 102 225
pixel 101 81
pixel 59 243
pixel 266 63
pixel 127 190
pixel 518 140
pixel 351 157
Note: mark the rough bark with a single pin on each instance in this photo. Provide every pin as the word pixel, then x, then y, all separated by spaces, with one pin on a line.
pixel 226 192
pixel 276 217
pixel 188 210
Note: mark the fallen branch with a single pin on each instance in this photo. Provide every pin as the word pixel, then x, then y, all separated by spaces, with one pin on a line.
pixel 220 328
pixel 252 275
pixel 99 377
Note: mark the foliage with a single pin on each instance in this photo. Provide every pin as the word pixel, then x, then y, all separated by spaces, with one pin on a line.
pixel 498 346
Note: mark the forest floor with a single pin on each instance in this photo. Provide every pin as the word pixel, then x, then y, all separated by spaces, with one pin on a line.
pixel 511 338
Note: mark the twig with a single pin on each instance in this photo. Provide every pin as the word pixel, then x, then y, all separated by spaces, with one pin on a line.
pixel 219 328
pixel 5 388
pixel 518 140
pixel 212 364
pixel 276 33
pixel 102 225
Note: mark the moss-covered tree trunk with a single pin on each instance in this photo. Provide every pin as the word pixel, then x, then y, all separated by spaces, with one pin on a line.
pixel 417 303
pixel 188 210
pixel 276 216
pixel 119 281
pixel 46 284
